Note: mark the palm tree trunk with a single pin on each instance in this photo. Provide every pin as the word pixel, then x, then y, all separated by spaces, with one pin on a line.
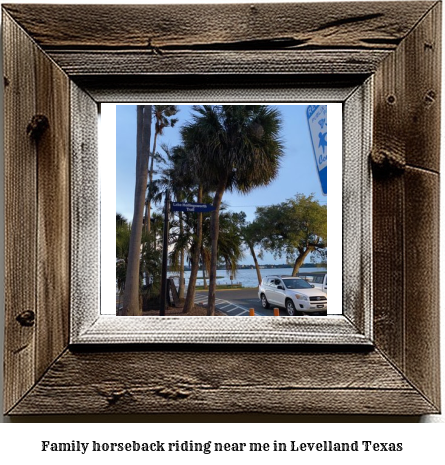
pixel 214 233
pixel 131 305
pixel 300 259
pixel 150 180
pixel 204 279
pixel 257 266
pixel 190 298
pixel 181 291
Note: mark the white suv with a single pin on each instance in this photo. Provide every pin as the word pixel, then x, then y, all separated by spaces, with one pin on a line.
pixel 293 293
pixel 320 281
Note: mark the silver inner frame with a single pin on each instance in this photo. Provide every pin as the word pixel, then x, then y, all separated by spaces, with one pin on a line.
pixel 354 326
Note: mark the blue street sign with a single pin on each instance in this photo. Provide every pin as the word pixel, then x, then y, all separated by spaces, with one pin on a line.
pixel 317 117
pixel 192 207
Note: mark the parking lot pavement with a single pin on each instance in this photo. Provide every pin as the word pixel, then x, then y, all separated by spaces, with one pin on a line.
pixel 237 302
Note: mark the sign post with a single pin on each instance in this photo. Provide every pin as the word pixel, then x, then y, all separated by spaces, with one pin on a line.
pixel 317 117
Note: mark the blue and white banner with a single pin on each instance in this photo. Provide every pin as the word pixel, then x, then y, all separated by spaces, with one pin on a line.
pixel 317 117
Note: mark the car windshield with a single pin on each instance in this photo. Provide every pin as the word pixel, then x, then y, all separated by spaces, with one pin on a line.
pixel 296 283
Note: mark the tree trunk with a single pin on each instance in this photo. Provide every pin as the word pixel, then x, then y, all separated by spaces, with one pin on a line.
pixel 257 266
pixel 131 305
pixel 190 298
pixel 214 234
pixel 181 290
pixel 204 279
pixel 300 259
pixel 150 180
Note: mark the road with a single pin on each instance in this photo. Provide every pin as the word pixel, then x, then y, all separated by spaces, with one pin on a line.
pixel 237 302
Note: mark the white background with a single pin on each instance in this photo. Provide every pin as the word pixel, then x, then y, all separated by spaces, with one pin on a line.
pixel 21 441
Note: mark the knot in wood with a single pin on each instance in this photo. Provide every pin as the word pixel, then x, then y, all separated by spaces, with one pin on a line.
pixel 172 393
pixel 114 397
pixel 37 126
pixel 26 318
pixel 386 162
pixel 430 97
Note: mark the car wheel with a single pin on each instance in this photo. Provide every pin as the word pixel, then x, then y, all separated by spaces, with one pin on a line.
pixel 264 301
pixel 290 308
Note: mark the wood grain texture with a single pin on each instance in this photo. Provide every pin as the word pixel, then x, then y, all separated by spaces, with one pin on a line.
pixel 121 63
pixel 53 225
pixel 223 382
pixel 388 201
pixel 407 119
pixel 398 42
pixel 375 25
pixel 406 206
pixel 388 268
pixel 229 39
pixel 423 91
pixel 37 215
pixel 422 323
pixel 20 212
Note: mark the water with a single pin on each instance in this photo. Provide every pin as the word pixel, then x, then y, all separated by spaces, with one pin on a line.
pixel 248 277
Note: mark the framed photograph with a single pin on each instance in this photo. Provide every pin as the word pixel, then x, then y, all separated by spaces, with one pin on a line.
pixel 253 247
pixel 376 353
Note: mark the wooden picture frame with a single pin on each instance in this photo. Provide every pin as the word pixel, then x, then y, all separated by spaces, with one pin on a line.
pixel 382 357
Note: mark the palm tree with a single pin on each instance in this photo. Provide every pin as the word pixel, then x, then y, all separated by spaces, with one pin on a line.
pixel 179 180
pixel 163 116
pixel 230 250
pixel 242 151
pixel 192 163
pixel 252 235
pixel 123 233
pixel 131 305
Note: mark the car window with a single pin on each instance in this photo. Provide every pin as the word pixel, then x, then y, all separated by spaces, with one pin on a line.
pixel 297 283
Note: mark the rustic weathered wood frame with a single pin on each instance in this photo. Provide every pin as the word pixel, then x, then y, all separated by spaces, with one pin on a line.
pixel 58 68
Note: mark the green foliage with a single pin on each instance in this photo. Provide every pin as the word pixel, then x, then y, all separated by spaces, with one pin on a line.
pixel 163 116
pixel 121 273
pixel 151 258
pixel 236 147
pixel 230 250
pixel 252 235
pixel 236 144
pixel 292 227
pixel 123 232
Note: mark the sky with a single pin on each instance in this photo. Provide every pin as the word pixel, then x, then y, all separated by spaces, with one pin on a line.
pixel 297 175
